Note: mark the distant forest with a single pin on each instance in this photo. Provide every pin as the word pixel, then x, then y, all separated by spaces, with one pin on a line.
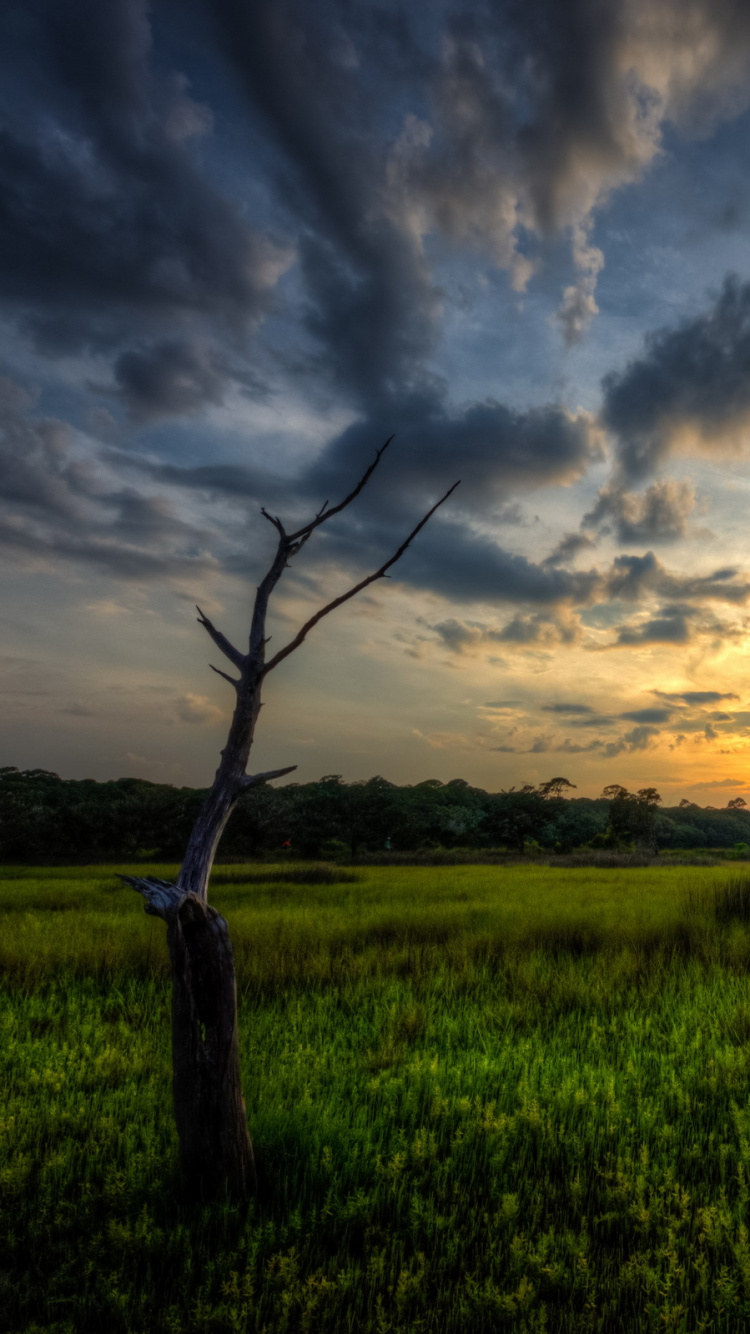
pixel 45 818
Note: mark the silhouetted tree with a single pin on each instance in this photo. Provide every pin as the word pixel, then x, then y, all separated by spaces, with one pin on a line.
pixel 215 1149
pixel 554 787
pixel 632 815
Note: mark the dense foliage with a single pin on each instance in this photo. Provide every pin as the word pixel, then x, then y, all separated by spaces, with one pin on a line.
pixel 45 818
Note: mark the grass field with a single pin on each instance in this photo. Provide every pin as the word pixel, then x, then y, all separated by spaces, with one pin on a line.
pixel 482 1099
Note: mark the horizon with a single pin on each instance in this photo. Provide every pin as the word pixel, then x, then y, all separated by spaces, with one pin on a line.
pixel 242 246
pixel 570 794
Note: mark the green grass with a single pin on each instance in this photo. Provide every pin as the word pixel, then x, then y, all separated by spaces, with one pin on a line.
pixel 482 1099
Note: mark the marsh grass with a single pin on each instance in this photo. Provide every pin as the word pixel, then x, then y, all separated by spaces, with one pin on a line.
pixel 317 873
pixel 482 1099
pixel 732 900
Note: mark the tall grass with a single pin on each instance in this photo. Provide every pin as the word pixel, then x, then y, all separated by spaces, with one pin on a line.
pixel 482 1099
pixel 732 900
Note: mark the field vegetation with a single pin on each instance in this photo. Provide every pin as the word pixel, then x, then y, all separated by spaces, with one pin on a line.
pixel 482 1098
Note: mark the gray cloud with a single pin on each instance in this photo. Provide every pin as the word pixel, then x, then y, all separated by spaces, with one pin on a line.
pixel 56 500
pixel 658 514
pixel 639 739
pixel 492 448
pixel 383 139
pixel 648 715
pixel 568 547
pixel 677 624
pixel 697 697
pixel 539 629
pixel 670 629
pixel 691 387
pixel 451 560
pixel 171 378
pixel 488 127
pixel 631 577
pixel 539 111
pixel 106 219
pixel 567 708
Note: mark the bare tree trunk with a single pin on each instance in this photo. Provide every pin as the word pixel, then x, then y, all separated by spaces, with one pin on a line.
pixel 216 1155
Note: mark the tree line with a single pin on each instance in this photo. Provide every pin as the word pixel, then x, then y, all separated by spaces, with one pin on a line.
pixel 46 818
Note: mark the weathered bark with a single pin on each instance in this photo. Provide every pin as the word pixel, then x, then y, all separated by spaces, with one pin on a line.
pixel 215 1151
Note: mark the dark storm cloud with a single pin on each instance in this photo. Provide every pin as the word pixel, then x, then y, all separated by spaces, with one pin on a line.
pixel 374 127
pixel 170 379
pixel 466 123
pixel 105 219
pixel 490 447
pixel 448 559
pixel 216 479
pixel 372 302
pixel 36 471
pixel 57 501
pixel 382 133
pixel 692 384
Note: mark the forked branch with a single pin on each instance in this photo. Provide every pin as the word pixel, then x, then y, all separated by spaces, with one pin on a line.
pixel 324 514
pixel 221 642
pixel 352 592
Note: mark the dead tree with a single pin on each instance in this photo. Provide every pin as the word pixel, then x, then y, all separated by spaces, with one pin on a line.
pixel 216 1155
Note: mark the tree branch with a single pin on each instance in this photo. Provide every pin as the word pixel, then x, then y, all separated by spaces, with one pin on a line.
pixel 288 546
pixel 276 521
pixel 221 641
pixel 352 592
pixel 233 680
pixel 324 514
pixel 252 780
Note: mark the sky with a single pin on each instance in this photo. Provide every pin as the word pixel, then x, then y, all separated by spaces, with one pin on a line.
pixel 241 244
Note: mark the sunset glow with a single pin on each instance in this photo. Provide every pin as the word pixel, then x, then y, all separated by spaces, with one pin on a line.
pixel 240 246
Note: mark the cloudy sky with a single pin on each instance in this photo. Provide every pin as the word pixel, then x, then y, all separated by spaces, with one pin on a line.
pixel 243 243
